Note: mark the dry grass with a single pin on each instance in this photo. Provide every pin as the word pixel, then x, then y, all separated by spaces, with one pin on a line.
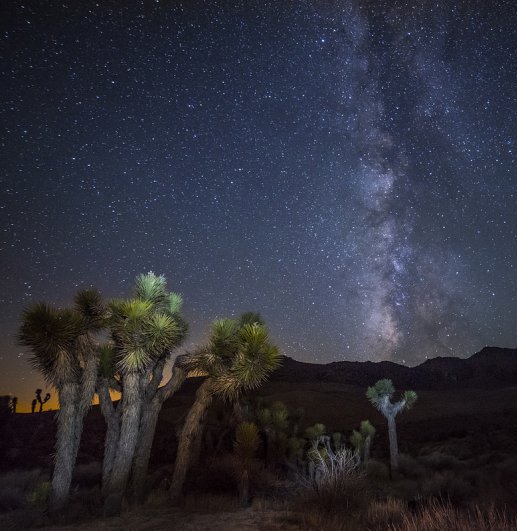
pixel 437 516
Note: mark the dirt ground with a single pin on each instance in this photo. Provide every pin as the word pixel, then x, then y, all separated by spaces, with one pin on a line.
pixel 240 520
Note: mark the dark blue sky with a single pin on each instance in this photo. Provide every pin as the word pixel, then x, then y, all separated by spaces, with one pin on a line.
pixel 345 168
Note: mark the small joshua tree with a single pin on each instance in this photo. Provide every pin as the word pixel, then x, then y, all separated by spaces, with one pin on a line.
pixel 41 401
pixel 274 421
pixel 362 440
pixel 245 447
pixel 380 396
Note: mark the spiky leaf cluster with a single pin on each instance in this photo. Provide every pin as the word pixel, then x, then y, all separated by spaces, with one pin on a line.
pixel 382 389
pixel 107 361
pixel 410 398
pixel 51 335
pixel 90 306
pixel 316 431
pixel 246 441
pixel 146 327
pixel 238 357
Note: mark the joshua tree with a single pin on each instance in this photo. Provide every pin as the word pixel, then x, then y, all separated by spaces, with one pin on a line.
pixel 145 330
pixel 274 421
pixel 362 440
pixel 239 356
pixel 380 396
pixel 61 344
pixel 41 401
pixel 245 447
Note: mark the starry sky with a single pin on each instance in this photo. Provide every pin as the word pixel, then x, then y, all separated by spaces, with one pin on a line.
pixel 346 168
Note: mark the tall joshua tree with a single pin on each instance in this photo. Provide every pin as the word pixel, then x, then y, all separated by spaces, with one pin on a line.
pixel 239 356
pixel 145 330
pixel 62 349
pixel 380 396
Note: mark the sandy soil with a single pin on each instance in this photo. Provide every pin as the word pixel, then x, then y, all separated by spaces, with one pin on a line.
pixel 241 520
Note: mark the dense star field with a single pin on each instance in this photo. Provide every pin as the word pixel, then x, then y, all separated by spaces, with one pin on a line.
pixel 347 168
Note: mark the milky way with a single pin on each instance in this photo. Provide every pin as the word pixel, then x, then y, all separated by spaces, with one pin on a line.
pixel 345 168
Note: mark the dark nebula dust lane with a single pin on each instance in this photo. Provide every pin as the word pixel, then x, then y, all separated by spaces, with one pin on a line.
pixel 346 168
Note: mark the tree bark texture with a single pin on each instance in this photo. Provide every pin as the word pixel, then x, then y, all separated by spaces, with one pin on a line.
pixel 244 488
pixel 112 419
pixel 155 397
pixel 189 434
pixel 148 422
pixel 394 450
pixel 366 450
pixel 130 420
pixel 66 446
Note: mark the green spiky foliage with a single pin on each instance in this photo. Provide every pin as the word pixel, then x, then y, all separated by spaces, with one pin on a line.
pixel 410 398
pixel 382 389
pixel 337 440
pixel 107 363
pixel 62 349
pixel 51 334
pixel 236 359
pixel 362 440
pixel 245 447
pixel 246 442
pixel 251 318
pixel 145 331
pixel 367 429
pixel 315 431
pixel 380 395
pixel 357 441
pixel 274 423
pixel 239 356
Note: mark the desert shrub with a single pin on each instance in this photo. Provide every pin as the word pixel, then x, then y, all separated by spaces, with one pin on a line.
pixel 447 486
pixel 15 487
pixel 382 513
pixel 439 461
pixel 437 516
pixel 507 468
pixel 333 480
pixel 410 467
pixel 37 497
pixel 88 474
pixel 157 498
pixel 377 470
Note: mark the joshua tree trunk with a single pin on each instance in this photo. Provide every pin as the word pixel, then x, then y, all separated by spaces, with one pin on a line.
pixel 112 418
pixel 147 429
pixel 85 394
pixel 366 450
pixel 66 446
pixel 394 450
pixel 188 436
pixel 131 408
pixel 148 420
pixel 244 488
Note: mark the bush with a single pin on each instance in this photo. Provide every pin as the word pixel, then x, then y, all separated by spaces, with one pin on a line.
pixel 333 480
pixel 377 470
pixel 382 513
pixel 437 516
pixel 440 461
pixel 15 486
pixel 447 486
pixel 410 467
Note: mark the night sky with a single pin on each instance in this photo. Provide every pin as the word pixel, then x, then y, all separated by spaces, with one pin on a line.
pixel 346 168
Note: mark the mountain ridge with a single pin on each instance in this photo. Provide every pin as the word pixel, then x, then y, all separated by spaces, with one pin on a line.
pixel 491 367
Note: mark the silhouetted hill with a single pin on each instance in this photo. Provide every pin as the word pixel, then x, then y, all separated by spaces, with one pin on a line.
pixel 492 367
